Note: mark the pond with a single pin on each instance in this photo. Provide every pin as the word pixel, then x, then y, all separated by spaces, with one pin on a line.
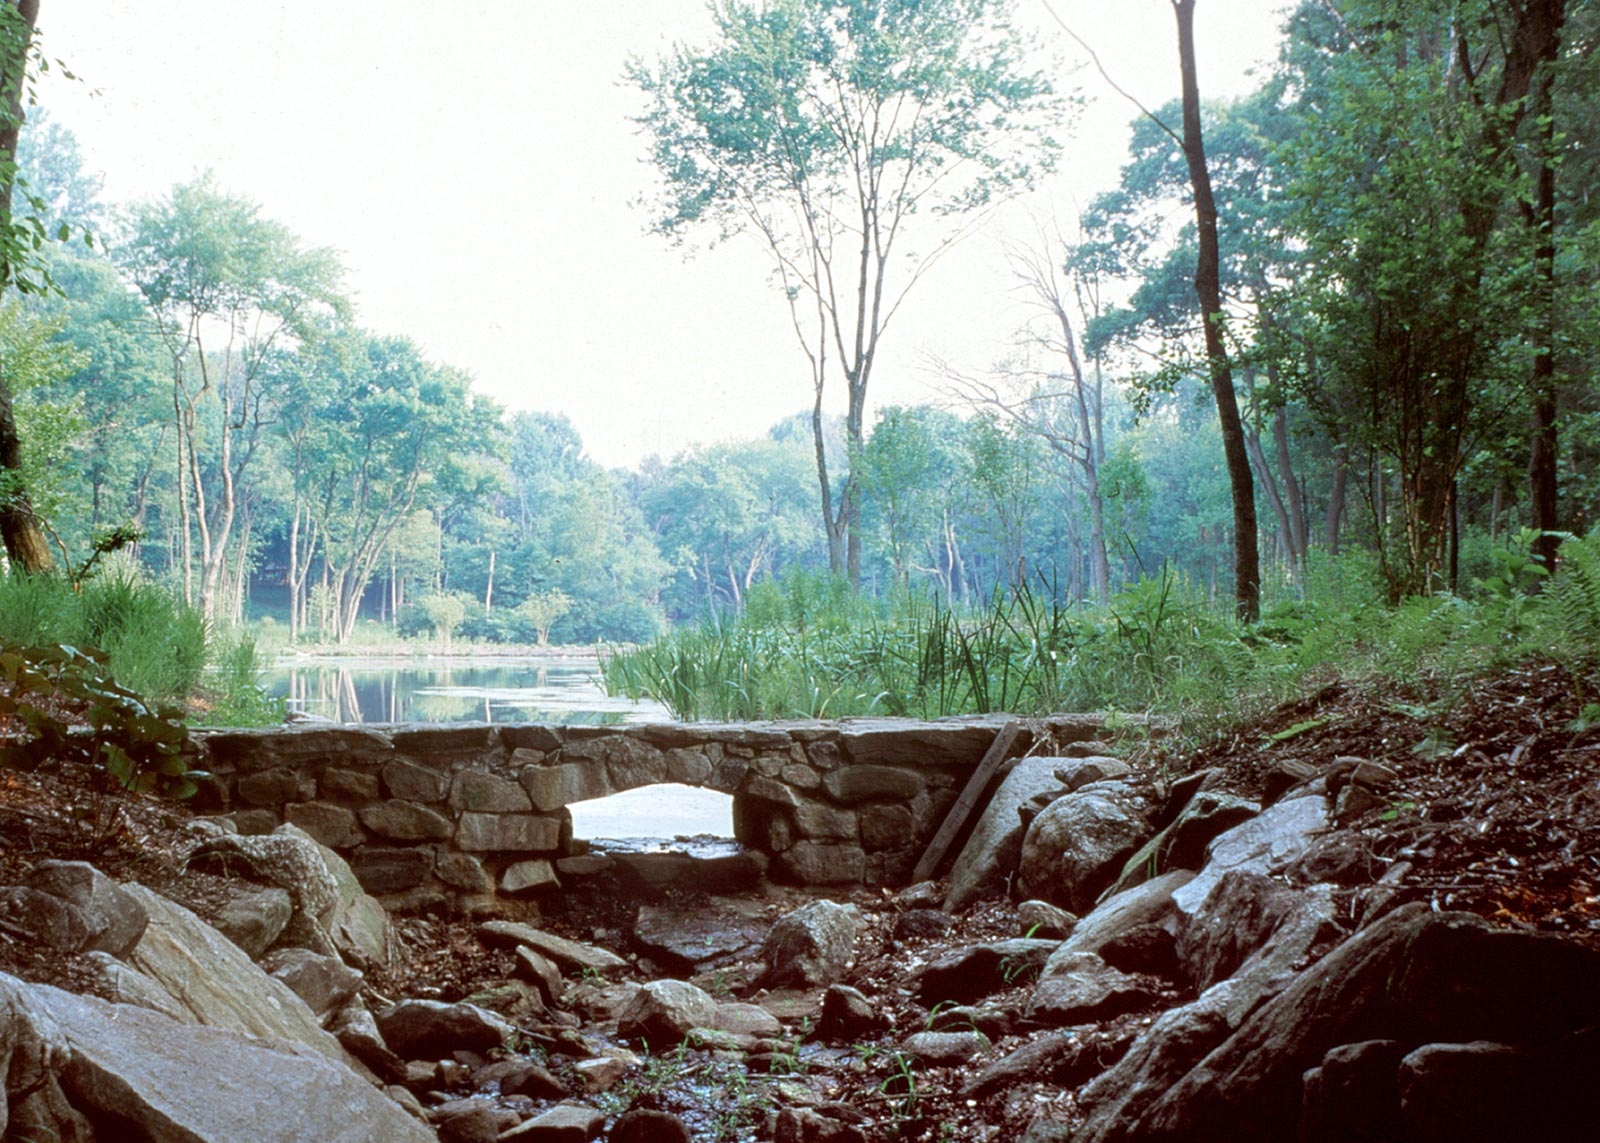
pixel 553 689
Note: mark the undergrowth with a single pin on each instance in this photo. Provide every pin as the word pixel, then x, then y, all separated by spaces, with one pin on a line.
pixel 1161 646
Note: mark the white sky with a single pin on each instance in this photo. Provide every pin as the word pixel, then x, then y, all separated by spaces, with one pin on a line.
pixel 476 166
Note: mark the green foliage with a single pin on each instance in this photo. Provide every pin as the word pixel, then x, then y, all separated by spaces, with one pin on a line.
pixel 445 611
pixel 136 745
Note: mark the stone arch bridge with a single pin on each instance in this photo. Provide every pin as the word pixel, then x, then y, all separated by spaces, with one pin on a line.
pixel 452 815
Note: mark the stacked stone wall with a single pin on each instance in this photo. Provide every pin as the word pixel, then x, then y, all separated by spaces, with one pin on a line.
pixel 455 814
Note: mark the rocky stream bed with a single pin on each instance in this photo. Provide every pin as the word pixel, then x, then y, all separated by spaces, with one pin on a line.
pixel 1369 916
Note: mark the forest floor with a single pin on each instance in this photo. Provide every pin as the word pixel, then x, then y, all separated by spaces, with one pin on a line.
pixel 1496 811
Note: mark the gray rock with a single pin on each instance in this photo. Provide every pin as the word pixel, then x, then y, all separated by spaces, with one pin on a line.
pixel 528 878
pixel 1075 773
pixel 1079 987
pixel 811 945
pixel 546 977
pixel 853 785
pixel 431 1029
pixel 391 868
pixel 1157 1059
pixel 405 821
pixel 1265 844
pixel 325 983
pixel 114 920
pixel 1079 843
pixel 746 1020
pixel 518 833
pixel 662 1012
pixel 135 1069
pixel 462 871
pixel 254 920
pixel 1237 917
pixel 847 1015
pixel 971 972
pixel 563 1123
pixel 922 925
pixel 332 825
pixel 468 1121
pixel 122 984
pixel 414 783
pixel 989 859
pixel 532 1081
pixel 570 956
pixel 212 979
pixel 357 1029
pixel 1413 976
pixel 1050 1057
pixel 479 792
pixel 1147 904
pixel 1044 921
pixel 823 863
pixel 943 1049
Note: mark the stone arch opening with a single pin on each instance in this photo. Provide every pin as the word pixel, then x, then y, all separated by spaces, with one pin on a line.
pixel 660 817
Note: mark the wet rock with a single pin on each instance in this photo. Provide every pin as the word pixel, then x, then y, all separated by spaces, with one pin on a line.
pixel 1284 775
pixel 693 940
pixel 989 859
pixel 1265 844
pixel 254 920
pixel 1080 987
pixel 943 1049
pixel 1044 921
pixel 810 1125
pixel 325 983
pixel 571 956
pixel 1160 1056
pixel 971 972
pixel 1342 857
pixel 1182 844
pixel 643 1125
pixel 847 1015
pixel 662 1012
pixel 811 945
pixel 1051 1057
pixel 431 1029
pixel 1147 904
pixel 1237 917
pixel 1077 845
pixel 466 1121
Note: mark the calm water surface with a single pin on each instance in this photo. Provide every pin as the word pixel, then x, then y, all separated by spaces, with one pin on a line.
pixel 409 689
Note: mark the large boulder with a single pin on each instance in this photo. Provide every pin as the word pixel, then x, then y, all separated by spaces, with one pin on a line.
pixel 1078 844
pixel 109 919
pixel 432 1029
pixel 1414 976
pixel 988 860
pixel 812 945
pixel 971 972
pixel 1182 844
pixel 216 984
pixel 79 1059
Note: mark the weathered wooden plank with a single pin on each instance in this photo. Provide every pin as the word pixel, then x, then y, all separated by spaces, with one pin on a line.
pixel 968 800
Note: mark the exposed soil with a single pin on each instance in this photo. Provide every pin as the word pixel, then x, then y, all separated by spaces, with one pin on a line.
pixel 1495 810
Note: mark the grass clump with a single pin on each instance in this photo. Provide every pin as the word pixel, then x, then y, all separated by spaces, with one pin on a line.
pixel 807 648
pixel 146 639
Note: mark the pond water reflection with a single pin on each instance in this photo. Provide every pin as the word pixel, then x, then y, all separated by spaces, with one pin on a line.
pixel 437 689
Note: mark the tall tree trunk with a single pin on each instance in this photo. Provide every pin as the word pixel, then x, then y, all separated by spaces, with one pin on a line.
pixel 1208 288
pixel 1542 460
pixel 19 529
pixel 1336 498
